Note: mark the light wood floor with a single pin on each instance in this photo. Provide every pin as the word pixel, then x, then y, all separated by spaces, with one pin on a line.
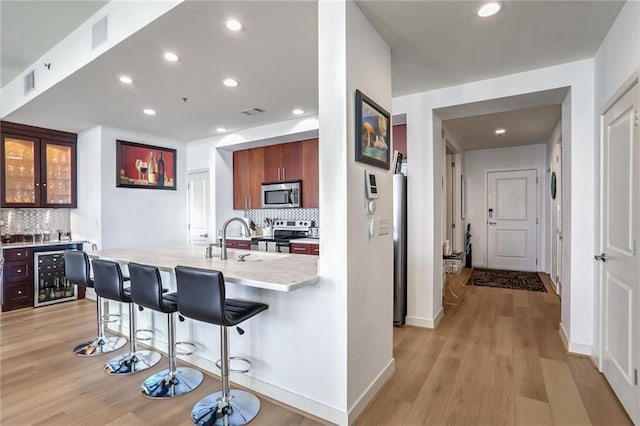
pixel 499 360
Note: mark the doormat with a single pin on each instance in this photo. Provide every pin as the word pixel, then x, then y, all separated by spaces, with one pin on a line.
pixel 515 280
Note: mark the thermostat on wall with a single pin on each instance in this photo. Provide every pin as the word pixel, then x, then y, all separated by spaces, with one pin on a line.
pixel 372 184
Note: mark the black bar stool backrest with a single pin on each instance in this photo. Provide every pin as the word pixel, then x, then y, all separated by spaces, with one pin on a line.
pixel 107 279
pixel 146 286
pixel 77 268
pixel 201 294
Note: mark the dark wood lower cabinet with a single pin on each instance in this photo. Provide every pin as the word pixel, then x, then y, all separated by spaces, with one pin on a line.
pixel 18 276
pixel 239 244
pixel 299 248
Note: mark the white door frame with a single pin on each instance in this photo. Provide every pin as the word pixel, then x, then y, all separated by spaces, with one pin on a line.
pixel 539 225
pixel 626 87
pixel 208 207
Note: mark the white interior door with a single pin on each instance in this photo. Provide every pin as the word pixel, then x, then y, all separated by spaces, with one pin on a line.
pixel 198 189
pixel 511 219
pixel 620 260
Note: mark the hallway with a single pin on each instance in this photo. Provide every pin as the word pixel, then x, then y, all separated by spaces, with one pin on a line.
pixel 499 361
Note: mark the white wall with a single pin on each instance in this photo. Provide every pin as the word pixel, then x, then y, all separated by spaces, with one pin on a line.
pixel 424 127
pixel 125 217
pixel 370 259
pixel 477 164
pixel 617 62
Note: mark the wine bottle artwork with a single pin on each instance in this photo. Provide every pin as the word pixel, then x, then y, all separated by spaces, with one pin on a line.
pixel 161 171
pixel 153 169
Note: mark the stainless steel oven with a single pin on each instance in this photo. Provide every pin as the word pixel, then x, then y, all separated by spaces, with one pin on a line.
pixel 277 195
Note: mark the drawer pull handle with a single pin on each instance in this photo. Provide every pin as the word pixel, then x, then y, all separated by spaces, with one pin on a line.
pixel 19 292
pixel 19 270
pixel 19 254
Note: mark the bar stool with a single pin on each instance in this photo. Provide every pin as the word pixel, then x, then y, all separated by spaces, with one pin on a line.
pixel 146 290
pixel 108 282
pixel 201 296
pixel 77 270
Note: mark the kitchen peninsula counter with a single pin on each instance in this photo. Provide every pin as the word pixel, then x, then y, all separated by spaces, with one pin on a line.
pixel 265 270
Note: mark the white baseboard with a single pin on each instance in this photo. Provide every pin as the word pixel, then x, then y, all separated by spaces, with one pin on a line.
pixel 425 322
pixel 573 347
pixel 367 396
pixel 284 396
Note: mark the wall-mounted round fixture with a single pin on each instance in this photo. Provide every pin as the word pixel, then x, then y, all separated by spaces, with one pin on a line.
pixel 221 130
pixel 500 132
pixel 489 9
pixel 229 82
pixel 171 57
pixel 233 25
pixel 297 111
pixel 149 111
pixel 125 79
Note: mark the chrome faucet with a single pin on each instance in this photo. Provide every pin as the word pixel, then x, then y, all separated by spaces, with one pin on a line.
pixel 223 250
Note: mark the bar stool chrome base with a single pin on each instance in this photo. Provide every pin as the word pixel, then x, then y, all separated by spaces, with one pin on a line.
pixel 164 385
pixel 100 346
pixel 240 410
pixel 130 363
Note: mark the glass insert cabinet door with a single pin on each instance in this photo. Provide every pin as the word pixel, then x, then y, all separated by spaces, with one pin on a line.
pixel 57 166
pixel 21 157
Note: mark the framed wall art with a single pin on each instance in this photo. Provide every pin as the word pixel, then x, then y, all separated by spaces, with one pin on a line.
pixel 373 128
pixel 145 166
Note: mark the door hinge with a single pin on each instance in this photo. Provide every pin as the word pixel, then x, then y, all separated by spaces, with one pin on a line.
pixel 536 261
pixel 536 221
pixel 453 225
pixel 536 180
pixel 637 118
pixel 635 377
pixel 453 164
pixel 635 247
pixel 189 226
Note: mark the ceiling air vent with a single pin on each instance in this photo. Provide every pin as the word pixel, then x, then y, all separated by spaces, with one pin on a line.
pixel 29 81
pixel 252 111
pixel 99 33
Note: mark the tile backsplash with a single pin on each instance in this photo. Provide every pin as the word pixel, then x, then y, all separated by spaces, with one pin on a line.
pixel 16 221
pixel 259 215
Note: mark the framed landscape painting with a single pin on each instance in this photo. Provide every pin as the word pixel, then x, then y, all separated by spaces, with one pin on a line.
pixel 373 131
pixel 145 166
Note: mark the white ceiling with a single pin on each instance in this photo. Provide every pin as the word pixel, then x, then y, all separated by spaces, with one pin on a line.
pixel 31 28
pixel 434 44
pixel 523 127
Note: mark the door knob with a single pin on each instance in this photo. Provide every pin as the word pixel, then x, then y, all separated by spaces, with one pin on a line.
pixel 205 235
pixel 492 222
pixel 602 257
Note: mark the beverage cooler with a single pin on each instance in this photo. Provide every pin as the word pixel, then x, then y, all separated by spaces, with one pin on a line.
pixel 50 285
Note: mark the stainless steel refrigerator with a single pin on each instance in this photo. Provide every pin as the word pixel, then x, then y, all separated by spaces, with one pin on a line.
pixel 399 249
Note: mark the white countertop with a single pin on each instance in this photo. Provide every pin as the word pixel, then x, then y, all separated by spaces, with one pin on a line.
pixel 306 241
pixel 267 270
pixel 39 244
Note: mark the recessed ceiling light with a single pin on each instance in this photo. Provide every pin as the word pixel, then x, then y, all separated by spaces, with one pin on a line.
pixel 500 131
pixel 125 79
pixel 149 111
pixel 234 25
pixel 297 111
pixel 221 130
pixel 171 57
pixel 489 9
pixel 229 82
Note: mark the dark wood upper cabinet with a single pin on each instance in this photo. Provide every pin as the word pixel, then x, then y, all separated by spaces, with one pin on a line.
pixel 283 162
pixel 310 174
pixel 400 139
pixel 248 175
pixel 38 167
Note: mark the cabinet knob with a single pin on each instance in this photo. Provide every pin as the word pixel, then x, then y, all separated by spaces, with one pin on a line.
pixel 19 271
pixel 44 184
pixel 19 292
pixel 19 254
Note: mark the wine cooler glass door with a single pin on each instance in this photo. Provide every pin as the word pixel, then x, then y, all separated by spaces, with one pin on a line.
pixel 50 285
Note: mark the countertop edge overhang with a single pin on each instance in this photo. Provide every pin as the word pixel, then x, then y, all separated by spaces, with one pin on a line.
pixel 283 272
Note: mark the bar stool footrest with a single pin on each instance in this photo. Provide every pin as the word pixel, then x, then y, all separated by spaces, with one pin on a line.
pixel 106 319
pixel 144 330
pixel 186 352
pixel 236 370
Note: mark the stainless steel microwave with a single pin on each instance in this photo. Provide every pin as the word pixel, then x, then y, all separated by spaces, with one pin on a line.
pixel 278 195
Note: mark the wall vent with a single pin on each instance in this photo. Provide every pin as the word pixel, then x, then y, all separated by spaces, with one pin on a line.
pixel 252 111
pixel 29 81
pixel 99 33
